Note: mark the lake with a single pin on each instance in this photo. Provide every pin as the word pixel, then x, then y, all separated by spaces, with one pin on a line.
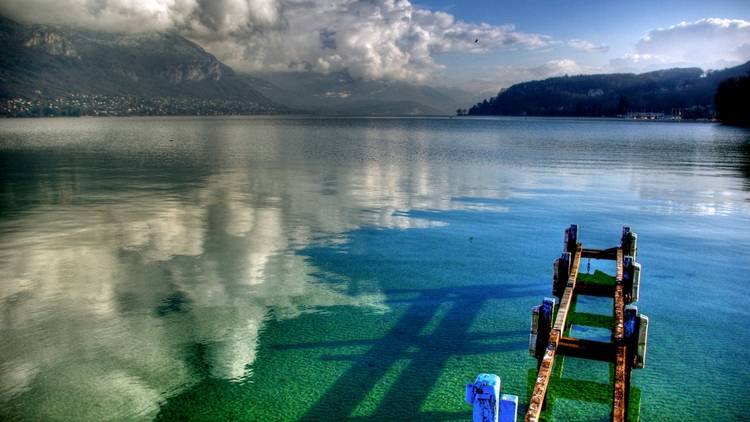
pixel 291 268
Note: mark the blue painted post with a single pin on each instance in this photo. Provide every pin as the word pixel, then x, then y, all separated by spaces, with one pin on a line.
pixel 541 328
pixel 571 239
pixel 627 277
pixel 630 324
pixel 484 395
pixel 488 402
pixel 508 408
pixel 560 274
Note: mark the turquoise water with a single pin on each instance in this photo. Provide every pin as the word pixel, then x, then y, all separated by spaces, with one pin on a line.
pixel 331 269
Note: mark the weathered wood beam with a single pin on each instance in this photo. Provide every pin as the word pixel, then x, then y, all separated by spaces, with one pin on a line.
pixel 620 402
pixel 548 360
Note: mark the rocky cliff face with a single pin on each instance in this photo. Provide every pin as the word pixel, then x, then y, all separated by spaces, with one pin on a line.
pixel 195 71
pixel 51 43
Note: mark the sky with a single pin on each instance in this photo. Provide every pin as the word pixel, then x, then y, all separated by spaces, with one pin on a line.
pixel 481 45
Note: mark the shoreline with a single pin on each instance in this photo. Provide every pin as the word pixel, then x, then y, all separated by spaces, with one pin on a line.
pixel 364 116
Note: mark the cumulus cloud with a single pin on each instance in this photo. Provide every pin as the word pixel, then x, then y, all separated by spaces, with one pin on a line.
pixel 707 43
pixel 587 46
pixel 508 75
pixel 369 38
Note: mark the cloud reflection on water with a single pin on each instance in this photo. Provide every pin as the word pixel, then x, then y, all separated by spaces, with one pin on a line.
pixel 102 299
pixel 109 272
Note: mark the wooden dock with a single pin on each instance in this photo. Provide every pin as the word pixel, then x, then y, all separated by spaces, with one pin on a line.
pixel 629 329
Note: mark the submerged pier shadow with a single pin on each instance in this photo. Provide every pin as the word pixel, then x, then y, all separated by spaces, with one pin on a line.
pixel 394 373
pixel 417 349
pixel 410 363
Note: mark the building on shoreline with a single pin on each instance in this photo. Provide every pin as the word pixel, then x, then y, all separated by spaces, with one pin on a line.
pixel 104 105
pixel 645 115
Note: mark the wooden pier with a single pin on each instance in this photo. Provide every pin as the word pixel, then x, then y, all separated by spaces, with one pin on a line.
pixel 550 329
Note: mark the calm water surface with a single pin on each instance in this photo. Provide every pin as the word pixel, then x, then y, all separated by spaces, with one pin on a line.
pixel 329 269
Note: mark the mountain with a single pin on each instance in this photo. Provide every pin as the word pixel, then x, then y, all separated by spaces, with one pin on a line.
pixel 45 62
pixel 733 101
pixel 56 70
pixel 339 93
pixel 689 90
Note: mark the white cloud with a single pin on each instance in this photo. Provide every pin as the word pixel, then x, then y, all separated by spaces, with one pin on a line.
pixel 509 75
pixel 588 46
pixel 370 38
pixel 707 43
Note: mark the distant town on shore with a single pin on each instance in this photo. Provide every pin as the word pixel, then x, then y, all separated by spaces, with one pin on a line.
pixel 59 71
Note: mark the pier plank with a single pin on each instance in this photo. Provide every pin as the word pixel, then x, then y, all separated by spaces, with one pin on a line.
pixel 620 402
pixel 548 360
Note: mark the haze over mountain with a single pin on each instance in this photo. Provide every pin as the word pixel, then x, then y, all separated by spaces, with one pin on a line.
pixel 340 93
pixel 49 61
pixel 688 91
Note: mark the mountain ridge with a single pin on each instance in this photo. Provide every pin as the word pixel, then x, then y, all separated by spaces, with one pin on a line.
pixel 51 62
pixel 49 70
pixel 690 91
